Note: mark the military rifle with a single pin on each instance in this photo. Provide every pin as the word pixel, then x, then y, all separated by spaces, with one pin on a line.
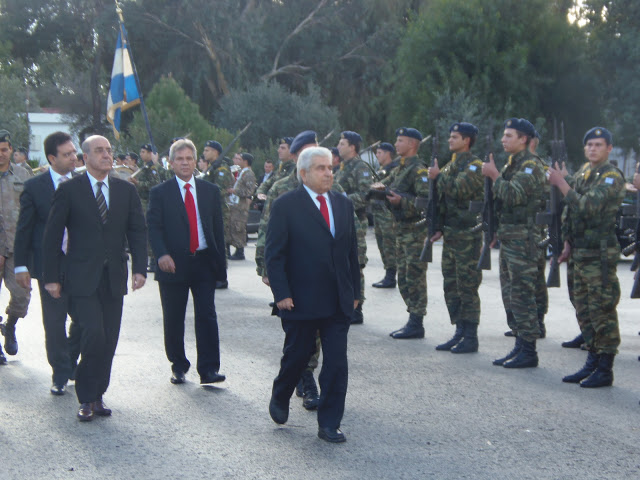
pixel 635 266
pixel 432 207
pixel 226 149
pixel 488 224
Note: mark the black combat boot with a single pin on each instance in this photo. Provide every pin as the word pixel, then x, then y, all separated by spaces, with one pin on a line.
pixel 602 375
pixel 469 343
pixel 527 357
pixel 9 331
pixel 238 254
pixel 389 280
pixel 516 349
pixel 575 343
pixel 310 398
pixel 413 328
pixel 457 336
pixel 588 368
pixel 357 318
pixel 299 389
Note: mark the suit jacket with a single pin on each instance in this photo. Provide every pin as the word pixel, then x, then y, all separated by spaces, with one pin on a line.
pixel 169 227
pixel 92 245
pixel 306 263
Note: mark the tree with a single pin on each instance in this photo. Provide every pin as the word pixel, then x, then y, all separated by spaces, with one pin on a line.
pixel 13 114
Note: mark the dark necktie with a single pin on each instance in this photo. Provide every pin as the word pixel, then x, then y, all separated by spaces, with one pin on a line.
pixel 324 210
pixel 190 205
pixel 102 202
pixel 65 237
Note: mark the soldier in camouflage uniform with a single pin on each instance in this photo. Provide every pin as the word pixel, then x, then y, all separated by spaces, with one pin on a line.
pixel 383 221
pixel 592 198
pixel 519 192
pixel 12 178
pixel 21 157
pixel 406 182
pixel 354 176
pixel 285 167
pixel 239 204
pixel 459 183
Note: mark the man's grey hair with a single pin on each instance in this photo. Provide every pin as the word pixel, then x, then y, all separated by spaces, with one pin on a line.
pixel 305 159
pixel 180 145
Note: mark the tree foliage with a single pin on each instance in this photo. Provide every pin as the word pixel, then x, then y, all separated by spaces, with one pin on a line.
pixel 13 111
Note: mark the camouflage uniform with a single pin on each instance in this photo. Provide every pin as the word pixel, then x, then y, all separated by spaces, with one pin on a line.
pixel 284 169
pixel 239 211
pixel 591 210
pixel 220 175
pixel 354 176
pixel 520 194
pixel 11 186
pixel 409 179
pixel 384 225
pixel 460 182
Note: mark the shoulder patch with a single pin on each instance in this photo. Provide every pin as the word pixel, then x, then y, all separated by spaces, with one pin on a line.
pixel 530 163
pixel 422 171
pixel 477 163
pixel 221 174
pixel 611 176
pixel 365 173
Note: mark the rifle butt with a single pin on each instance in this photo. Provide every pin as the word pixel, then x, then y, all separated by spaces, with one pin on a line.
pixel 484 262
pixel 427 252
pixel 553 279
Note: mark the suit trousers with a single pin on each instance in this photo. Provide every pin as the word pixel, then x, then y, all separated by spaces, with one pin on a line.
pixel 99 316
pixel 299 345
pixel 62 351
pixel 174 296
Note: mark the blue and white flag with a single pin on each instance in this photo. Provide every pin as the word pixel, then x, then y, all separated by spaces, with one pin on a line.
pixel 123 93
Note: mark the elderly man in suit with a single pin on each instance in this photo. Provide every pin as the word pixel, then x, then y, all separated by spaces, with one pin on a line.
pixel 312 263
pixel 186 233
pixel 101 214
pixel 35 203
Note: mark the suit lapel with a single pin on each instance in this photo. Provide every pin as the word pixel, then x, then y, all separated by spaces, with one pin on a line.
pixel 178 201
pixel 88 192
pixel 204 204
pixel 117 200
pixel 339 214
pixel 310 207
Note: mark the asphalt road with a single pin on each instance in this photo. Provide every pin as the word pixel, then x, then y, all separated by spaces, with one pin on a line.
pixel 411 412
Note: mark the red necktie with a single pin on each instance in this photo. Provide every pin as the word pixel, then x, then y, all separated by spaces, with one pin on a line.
pixel 190 205
pixel 324 210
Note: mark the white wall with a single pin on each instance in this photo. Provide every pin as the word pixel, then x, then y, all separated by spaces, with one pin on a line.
pixel 42 125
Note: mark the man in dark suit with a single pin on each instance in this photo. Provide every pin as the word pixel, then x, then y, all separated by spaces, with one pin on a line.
pixel 101 214
pixel 35 203
pixel 186 233
pixel 312 264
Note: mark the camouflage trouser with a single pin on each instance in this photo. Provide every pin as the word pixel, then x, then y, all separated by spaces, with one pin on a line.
pixel 461 277
pixel 412 273
pixel 518 273
pixel 313 361
pixel 226 217
pixel 361 233
pixel 19 297
pixel 542 296
pixel 384 226
pixel 595 300
pixel 238 216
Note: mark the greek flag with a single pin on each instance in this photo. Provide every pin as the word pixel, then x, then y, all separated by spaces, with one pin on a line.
pixel 123 93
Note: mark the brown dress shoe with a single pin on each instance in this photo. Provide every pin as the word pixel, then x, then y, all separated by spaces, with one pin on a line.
pixel 85 413
pixel 99 408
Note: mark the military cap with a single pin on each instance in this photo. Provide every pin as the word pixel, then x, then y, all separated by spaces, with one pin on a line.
pixel 213 144
pixel 598 132
pixel 352 137
pixel 409 132
pixel 147 147
pixel 286 140
pixel 5 137
pixel 247 157
pixel 335 152
pixel 522 125
pixel 121 156
pixel 302 139
pixel 134 156
pixel 387 147
pixel 464 128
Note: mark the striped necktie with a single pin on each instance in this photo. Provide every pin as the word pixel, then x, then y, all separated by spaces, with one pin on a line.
pixel 102 202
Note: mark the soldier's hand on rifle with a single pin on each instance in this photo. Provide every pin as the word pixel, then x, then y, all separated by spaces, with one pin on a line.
pixel 394 198
pixel 154 157
pixel 133 180
pixel 566 253
pixel 434 171
pixel 489 169
pixel 435 237
pixel 262 196
pixel 556 178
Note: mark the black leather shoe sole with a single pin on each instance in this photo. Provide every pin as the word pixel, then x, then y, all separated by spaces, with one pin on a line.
pixel 331 435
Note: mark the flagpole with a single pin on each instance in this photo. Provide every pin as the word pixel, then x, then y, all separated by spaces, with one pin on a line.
pixel 135 75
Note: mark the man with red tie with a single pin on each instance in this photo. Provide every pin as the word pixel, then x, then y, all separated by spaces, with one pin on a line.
pixel 312 264
pixel 187 237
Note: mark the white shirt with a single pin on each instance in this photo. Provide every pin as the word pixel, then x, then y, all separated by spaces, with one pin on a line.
pixel 202 242
pixel 314 196
pixel 105 187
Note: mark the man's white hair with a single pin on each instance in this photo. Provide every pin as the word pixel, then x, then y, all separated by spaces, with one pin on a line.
pixel 305 159
pixel 181 144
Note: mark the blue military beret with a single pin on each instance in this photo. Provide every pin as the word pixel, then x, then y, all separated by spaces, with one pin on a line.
pixel 335 152
pixel 5 137
pixel 408 132
pixel 286 140
pixel 598 132
pixel 386 146
pixel 147 147
pixel 464 128
pixel 213 144
pixel 522 125
pixel 352 137
pixel 302 139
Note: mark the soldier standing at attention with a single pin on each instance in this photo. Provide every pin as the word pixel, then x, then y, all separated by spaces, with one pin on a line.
pixel 354 177
pixel 459 183
pixel 286 166
pixel 406 182
pixel 239 202
pixel 519 192
pixel 383 221
pixel 592 197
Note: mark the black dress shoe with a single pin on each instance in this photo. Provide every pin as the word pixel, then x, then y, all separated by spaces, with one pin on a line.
pixel 85 413
pixel 279 413
pixel 3 359
pixel 99 408
pixel 57 389
pixel 212 377
pixel 177 378
pixel 332 435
